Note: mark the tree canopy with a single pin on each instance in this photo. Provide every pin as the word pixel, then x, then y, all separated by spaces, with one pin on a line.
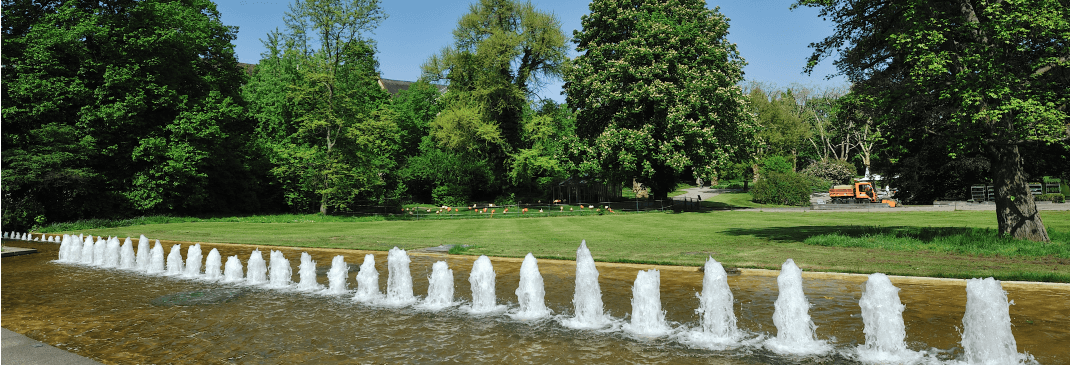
pixel 655 94
pixel 120 105
pixel 985 76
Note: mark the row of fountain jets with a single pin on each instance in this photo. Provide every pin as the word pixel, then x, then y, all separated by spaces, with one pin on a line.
pixel 986 332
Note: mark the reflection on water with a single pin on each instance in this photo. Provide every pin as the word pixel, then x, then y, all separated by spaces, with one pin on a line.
pixel 109 315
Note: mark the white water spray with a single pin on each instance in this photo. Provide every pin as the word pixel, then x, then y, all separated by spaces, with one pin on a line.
pixel 531 294
pixel 156 263
pixel 791 315
pixel 399 282
pixel 647 317
pixel 232 272
pixel 257 271
pixel 587 299
pixel 193 262
pixel 174 261
pixel 336 278
pixel 307 272
pixel 439 287
pixel 367 281
pixel 213 265
pixel 279 271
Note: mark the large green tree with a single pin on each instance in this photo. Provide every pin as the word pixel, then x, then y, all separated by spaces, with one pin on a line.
pixel 654 90
pixel 322 115
pixel 504 51
pixel 987 76
pixel 119 106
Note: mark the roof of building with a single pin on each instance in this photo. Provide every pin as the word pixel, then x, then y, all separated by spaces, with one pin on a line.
pixel 395 86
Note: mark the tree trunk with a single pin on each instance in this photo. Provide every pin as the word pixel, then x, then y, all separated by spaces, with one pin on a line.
pixel 1016 211
pixel 664 182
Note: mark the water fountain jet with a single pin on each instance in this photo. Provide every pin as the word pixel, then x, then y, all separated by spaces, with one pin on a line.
pixel 336 278
pixel 531 294
pixel 279 271
pixel 791 315
pixel 212 266
pixel 367 281
pixel 647 317
pixel 439 288
pixel 587 299
pixel 307 272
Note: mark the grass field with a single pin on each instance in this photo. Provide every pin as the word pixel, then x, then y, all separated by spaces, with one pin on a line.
pixel 942 244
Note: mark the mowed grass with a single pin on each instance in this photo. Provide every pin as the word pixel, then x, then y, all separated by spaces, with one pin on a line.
pixel 737 239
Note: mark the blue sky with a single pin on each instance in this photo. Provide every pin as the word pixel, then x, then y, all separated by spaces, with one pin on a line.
pixel 772 39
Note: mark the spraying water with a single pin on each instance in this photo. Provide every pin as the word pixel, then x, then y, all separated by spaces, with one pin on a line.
pixel 126 256
pixel 531 294
pixel 155 262
pixel 279 271
pixel 647 317
pixel 307 272
pixel 143 257
pixel 193 261
pixel 986 326
pixel 399 282
pixel 791 315
pixel 715 304
pixel 63 247
pixel 232 273
pixel 212 266
pixel 482 281
pixel 588 296
pixel 367 281
pixel 439 287
pixel 882 315
pixel 336 278
pixel 111 253
pixel 257 273
pixel 98 251
pixel 87 251
pixel 174 261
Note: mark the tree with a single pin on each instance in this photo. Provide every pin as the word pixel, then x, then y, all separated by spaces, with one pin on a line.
pixel 322 114
pixel 119 106
pixel 504 51
pixel 654 90
pixel 984 75
pixel 784 128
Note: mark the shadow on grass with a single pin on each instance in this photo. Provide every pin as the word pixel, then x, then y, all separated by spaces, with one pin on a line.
pixel 801 233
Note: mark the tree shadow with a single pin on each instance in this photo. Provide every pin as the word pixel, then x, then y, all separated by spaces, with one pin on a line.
pixel 801 233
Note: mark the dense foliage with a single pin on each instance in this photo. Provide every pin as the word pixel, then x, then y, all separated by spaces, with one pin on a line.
pixel 323 120
pixel 988 76
pixel 488 141
pixel 655 94
pixel 782 188
pixel 119 106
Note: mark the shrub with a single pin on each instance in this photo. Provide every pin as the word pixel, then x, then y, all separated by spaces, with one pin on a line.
pixel 776 164
pixel 835 171
pixel 451 195
pixel 1055 197
pixel 782 189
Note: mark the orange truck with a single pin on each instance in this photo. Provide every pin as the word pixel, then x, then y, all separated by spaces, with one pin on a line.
pixel 860 193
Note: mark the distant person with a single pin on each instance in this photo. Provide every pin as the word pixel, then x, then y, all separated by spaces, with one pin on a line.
pixel 699 182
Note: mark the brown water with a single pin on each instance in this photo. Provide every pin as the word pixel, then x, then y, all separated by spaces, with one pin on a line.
pixel 109 315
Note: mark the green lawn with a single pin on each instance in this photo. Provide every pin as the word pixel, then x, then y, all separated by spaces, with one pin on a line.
pixel 739 239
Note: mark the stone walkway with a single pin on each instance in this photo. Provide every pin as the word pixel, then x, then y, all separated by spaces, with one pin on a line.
pixel 19 350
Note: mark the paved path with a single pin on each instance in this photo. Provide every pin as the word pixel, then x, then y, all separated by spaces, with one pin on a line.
pixel 699 193
pixel 19 350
